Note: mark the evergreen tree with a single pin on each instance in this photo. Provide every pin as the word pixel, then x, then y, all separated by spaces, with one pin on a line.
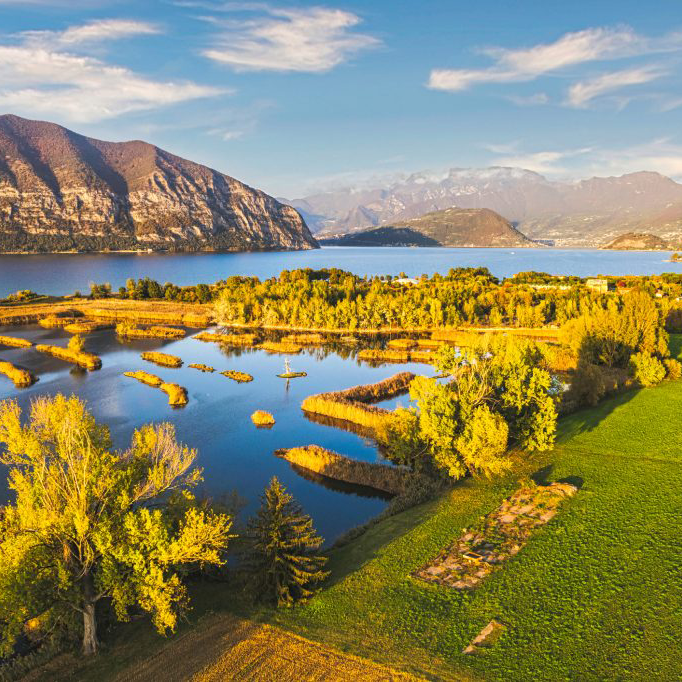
pixel 282 563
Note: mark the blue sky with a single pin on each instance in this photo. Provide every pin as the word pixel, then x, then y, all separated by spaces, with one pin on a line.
pixel 291 97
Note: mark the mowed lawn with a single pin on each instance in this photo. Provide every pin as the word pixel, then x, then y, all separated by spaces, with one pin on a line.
pixel 595 595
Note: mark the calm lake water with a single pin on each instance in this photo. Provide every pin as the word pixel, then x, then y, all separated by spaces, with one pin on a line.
pixel 235 455
pixel 66 273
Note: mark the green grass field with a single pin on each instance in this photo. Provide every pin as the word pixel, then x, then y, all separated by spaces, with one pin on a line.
pixel 595 595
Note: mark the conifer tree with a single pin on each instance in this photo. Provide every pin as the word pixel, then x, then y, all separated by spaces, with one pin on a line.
pixel 282 563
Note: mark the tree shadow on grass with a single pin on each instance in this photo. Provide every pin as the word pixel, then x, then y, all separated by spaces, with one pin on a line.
pixel 588 419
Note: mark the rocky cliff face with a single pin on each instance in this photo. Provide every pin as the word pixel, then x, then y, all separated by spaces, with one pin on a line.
pixel 454 227
pixel 61 191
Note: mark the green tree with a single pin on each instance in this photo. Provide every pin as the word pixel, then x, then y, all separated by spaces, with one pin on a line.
pixel 90 523
pixel 647 369
pixel 282 562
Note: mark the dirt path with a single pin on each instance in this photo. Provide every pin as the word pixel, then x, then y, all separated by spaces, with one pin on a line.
pixel 228 648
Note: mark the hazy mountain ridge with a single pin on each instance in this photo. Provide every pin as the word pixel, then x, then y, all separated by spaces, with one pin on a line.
pixel 61 190
pixel 452 227
pixel 585 213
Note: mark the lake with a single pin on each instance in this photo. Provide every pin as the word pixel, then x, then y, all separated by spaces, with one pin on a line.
pixel 65 273
pixel 235 455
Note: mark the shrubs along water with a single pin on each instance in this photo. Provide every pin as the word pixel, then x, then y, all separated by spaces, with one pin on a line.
pixel 22 378
pixel 15 342
pixel 228 339
pixel 128 330
pixel 177 395
pixel 280 347
pixel 201 367
pixel 354 404
pixel 163 359
pixel 262 418
pixel 389 479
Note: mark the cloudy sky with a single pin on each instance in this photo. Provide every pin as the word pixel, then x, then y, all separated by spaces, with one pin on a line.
pixel 290 97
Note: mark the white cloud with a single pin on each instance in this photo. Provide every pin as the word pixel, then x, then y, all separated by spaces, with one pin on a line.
pixel 312 40
pixel 582 93
pixel 39 77
pixel 527 64
pixel 92 32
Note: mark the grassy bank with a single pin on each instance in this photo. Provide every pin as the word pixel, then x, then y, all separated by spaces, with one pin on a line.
pixel 22 378
pixel 89 361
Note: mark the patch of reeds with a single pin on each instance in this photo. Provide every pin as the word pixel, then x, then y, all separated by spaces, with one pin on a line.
pixel 228 339
pixel 201 368
pixel 127 330
pixel 303 339
pixel 146 316
pixel 262 418
pixel 426 356
pixel 280 347
pixel 431 344
pixel 402 344
pixel 15 342
pixel 354 404
pixel 55 321
pixel 89 361
pixel 22 378
pixel 85 326
pixel 163 359
pixel 177 395
pixel 239 377
pixel 383 477
pixel 456 336
pixel 384 355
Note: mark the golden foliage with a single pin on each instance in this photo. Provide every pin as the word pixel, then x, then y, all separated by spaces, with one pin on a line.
pixel 262 418
pixel 389 355
pixel 128 330
pixel 145 378
pixel 402 344
pixel 55 321
pixel 383 477
pixel 163 359
pixel 22 378
pixel 311 338
pixel 15 342
pixel 239 377
pixel 177 395
pixel 89 361
pixel 85 327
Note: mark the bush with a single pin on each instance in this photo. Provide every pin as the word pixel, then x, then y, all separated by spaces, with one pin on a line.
pixel 673 368
pixel 647 369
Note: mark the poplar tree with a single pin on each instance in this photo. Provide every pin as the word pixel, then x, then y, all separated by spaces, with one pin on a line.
pixel 89 523
pixel 282 563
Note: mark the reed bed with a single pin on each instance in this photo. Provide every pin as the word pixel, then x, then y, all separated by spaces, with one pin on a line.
pixel 131 331
pixel 460 336
pixel 145 377
pixel 56 322
pixel 228 339
pixel 163 359
pixel 431 344
pixel 280 347
pixel 457 337
pixel 382 477
pixel 380 355
pixel 201 368
pixel 303 339
pixel 239 377
pixel 146 316
pixel 353 404
pixel 177 395
pixel 426 356
pixel 15 342
pixel 85 326
pixel 22 378
pixel 262 418
pixel 402 344
pixel 89 361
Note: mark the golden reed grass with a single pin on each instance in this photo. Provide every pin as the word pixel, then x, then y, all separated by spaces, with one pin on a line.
pixel 177 395
pixel 389 355
pixel 228 339
pixel 201 367
pixel 89 361
pixel 239 377
pixel 262 418
pixel 402 344
pixel 352 405
pixel 22 378
pixel 86 326
pixel 56 322
pixel 15 342
pixel 127 330
pixel 163 359
pixel 280 347
pixel 145 316
pixel 312 338
pixel 383 477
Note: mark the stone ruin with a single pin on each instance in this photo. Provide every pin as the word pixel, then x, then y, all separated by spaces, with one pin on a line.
pixel 496 537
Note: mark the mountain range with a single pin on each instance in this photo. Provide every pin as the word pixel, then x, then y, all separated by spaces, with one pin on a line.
pixel 589 212
pixel 62 191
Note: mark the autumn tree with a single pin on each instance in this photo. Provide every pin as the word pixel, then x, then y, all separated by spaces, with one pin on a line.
pixel 282 563
pixel 90 523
